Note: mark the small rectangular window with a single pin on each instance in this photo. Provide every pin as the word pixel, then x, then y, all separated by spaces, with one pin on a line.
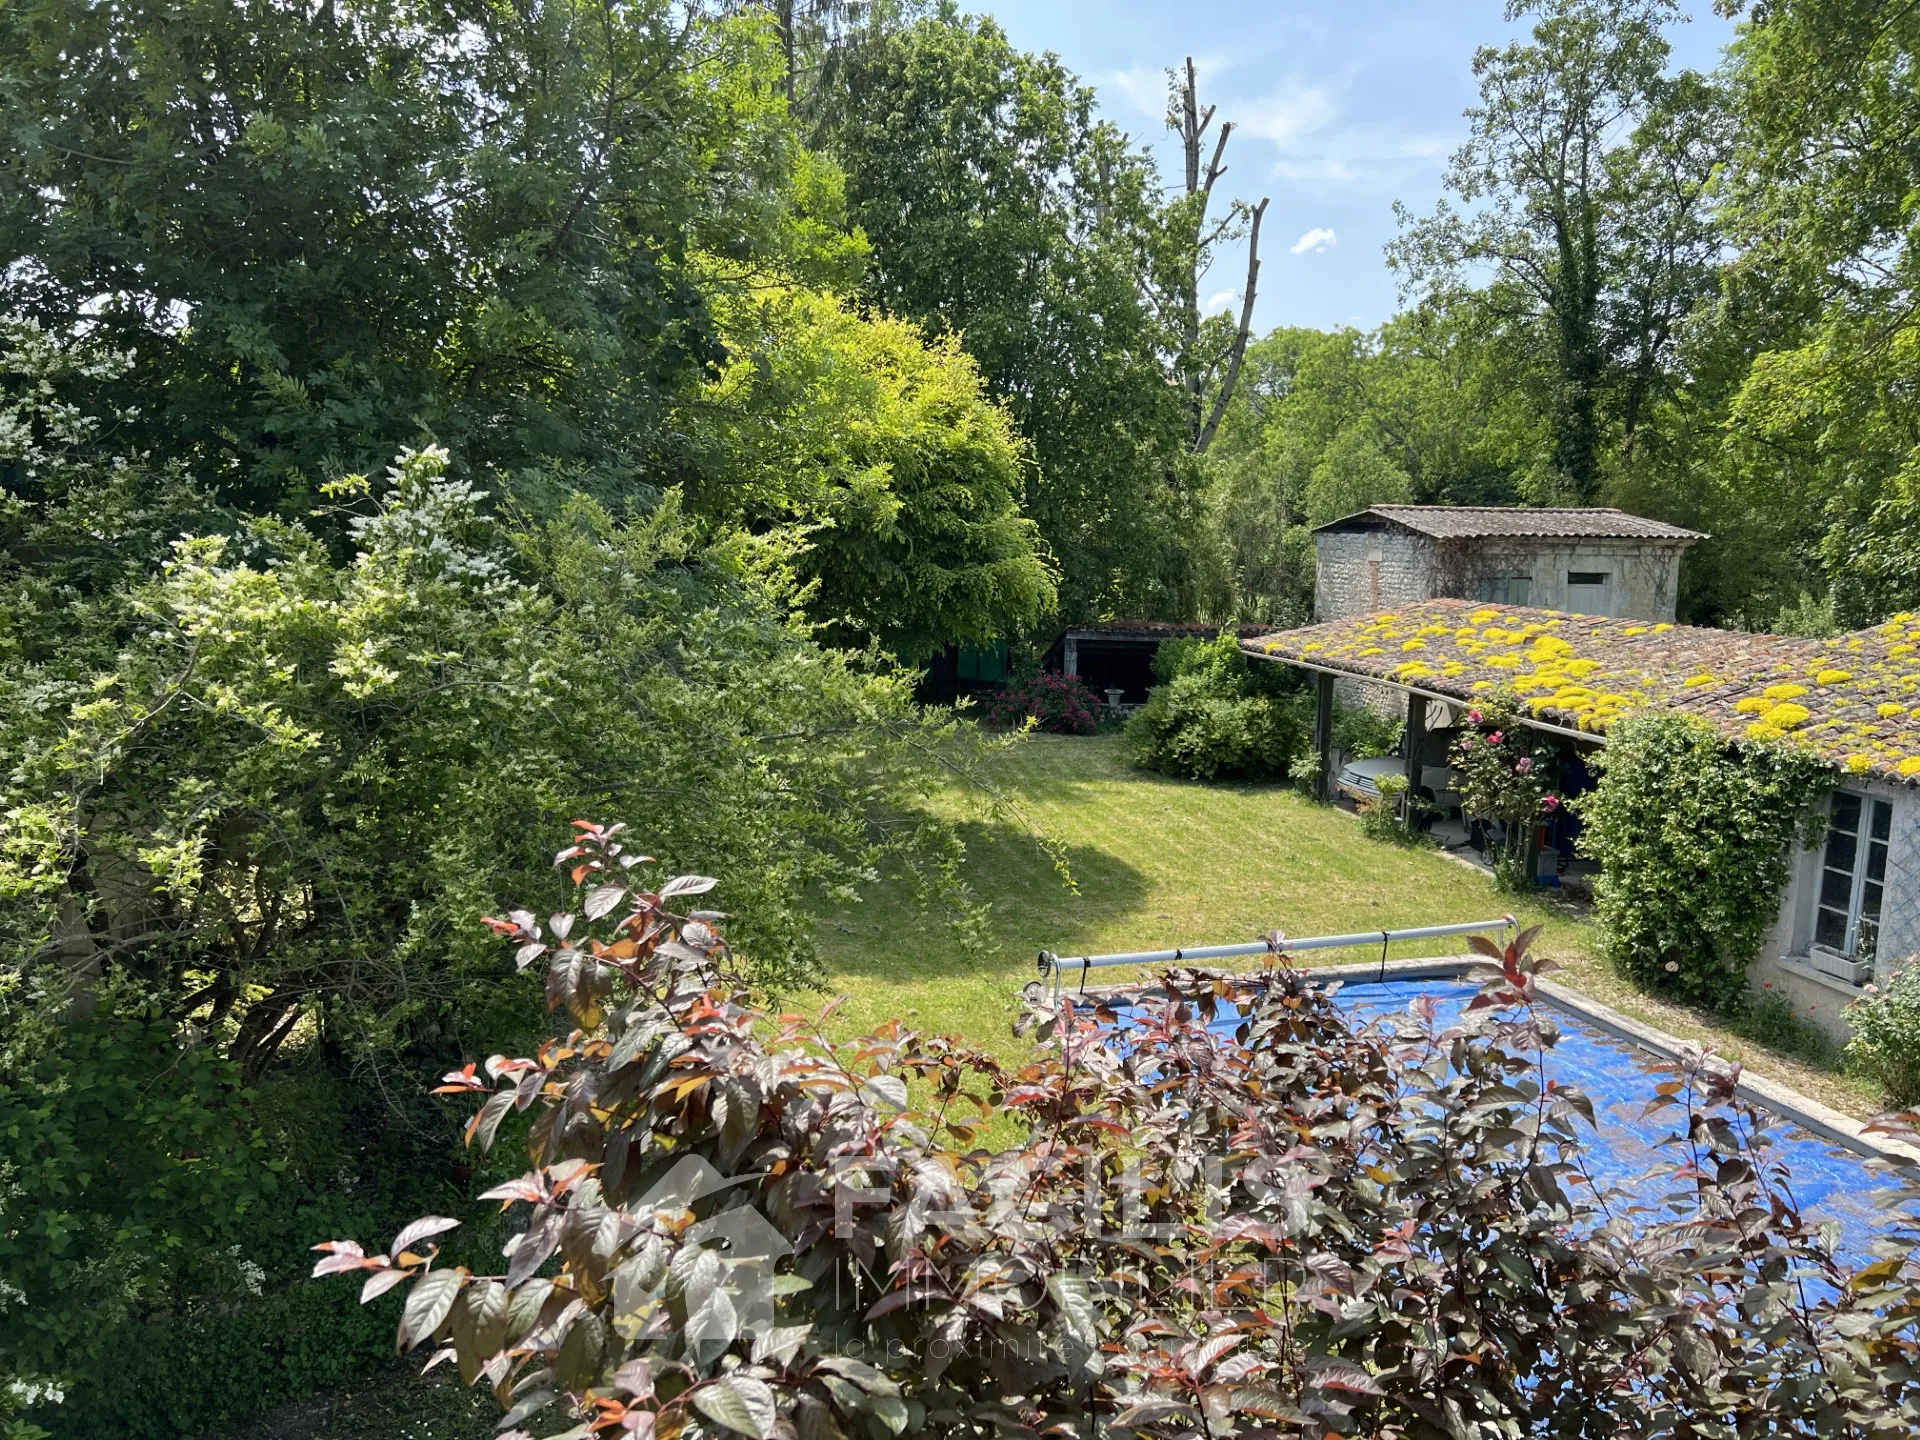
pixel 1505 589
pixel 1587 577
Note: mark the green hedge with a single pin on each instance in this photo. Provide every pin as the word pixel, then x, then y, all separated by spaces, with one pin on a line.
pixel 1214 716
pixel 1694 836
pixel 206 1370
pixel 156 1215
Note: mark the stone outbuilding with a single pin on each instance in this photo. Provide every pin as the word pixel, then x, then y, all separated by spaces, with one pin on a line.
pixel 1584 562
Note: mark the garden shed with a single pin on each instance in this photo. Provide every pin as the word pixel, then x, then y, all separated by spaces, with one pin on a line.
pixel 1851 910
pixel 1592 561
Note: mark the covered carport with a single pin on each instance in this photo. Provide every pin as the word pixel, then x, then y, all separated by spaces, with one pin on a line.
pixel 1319 650
pixel 1432 697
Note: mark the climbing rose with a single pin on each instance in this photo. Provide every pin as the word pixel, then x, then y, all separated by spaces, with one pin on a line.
pixel 1495 738
pixel 1549 803
pixel 1523 766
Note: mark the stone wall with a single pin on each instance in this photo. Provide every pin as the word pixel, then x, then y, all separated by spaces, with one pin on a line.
pixel 1900 914
pixel 1362 571
pixel 1359 572
pixel 1643 577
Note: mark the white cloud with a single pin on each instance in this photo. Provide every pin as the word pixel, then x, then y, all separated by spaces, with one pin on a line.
pixel 1144 87
pixel 1318 240
pixel 1286 119
pixel 1224 300
pixel 1305 119
pixel 1362 159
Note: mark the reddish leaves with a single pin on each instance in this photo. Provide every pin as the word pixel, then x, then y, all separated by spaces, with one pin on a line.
pixel 1301 1229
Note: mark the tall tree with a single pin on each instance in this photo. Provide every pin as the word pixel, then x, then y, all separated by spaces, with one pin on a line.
pixel 1208 359
pixel 811 32
pixel 1583 179
pixel 903 478
pixel 326 232
pixel 1000 209
pixel 1821 190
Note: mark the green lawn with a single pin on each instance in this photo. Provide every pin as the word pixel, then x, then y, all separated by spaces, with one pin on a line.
pixel 1158 863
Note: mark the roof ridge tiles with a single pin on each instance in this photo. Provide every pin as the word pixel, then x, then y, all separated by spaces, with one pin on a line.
pixel 1461 522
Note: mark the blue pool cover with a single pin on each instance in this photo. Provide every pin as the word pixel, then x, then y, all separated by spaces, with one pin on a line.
pixel 1830 1183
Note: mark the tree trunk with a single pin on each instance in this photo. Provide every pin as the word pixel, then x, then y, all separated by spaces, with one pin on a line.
pixel 1194 372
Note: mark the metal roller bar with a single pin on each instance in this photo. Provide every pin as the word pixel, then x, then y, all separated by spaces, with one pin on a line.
pixel 1054 963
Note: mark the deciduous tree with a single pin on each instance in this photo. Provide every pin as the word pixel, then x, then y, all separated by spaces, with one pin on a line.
pixel 1582 183
pixel 999 208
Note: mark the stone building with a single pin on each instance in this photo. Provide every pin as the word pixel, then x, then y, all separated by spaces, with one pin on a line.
pixel 1586 562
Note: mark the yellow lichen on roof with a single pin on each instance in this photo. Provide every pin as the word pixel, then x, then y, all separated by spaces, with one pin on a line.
pixel 1854 700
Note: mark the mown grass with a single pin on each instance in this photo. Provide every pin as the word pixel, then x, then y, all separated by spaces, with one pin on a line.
pixel 1157 863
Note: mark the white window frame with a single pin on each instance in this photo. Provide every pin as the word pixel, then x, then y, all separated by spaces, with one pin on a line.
pixel 1870 808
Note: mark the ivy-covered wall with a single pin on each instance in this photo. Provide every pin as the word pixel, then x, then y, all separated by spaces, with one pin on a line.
pixel 1696 839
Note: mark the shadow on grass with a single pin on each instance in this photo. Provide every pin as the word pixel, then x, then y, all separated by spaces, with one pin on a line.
pixel 396 1403
pixel 1061 769
pixel 892 935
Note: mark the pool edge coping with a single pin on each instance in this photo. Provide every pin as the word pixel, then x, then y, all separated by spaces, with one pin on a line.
pixel 1780 1099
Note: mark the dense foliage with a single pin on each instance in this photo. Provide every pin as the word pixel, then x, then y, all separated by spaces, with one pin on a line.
pixel 157 1207
pixel 1583 182
pixel 324 235
pixel 1055 704
pixel 1695 838
pixel 1819 201
pixel 1885 1042
pixel 250 800
pixel 1427 409
pixel 1215 716
pixel 1000 207
pixel 902 480
pixel 738 1224
pixel 280 716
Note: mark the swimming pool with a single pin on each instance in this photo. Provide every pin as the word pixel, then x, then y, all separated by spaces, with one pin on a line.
pixel 1830 1182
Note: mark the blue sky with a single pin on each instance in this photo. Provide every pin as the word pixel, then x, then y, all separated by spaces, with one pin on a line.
pixel 1339 109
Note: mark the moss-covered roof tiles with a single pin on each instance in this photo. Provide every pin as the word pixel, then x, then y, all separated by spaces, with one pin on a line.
pixel 1854 700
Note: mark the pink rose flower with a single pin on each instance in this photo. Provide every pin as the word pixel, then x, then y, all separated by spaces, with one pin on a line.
pixel 1523 766
pixel 1550 803
pixel 1495 738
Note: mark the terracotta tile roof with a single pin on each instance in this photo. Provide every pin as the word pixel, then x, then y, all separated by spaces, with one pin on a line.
pixel 1464 522
pixel 1853 700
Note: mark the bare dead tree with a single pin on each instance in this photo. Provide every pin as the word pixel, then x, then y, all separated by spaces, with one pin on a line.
pixel 1200 371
